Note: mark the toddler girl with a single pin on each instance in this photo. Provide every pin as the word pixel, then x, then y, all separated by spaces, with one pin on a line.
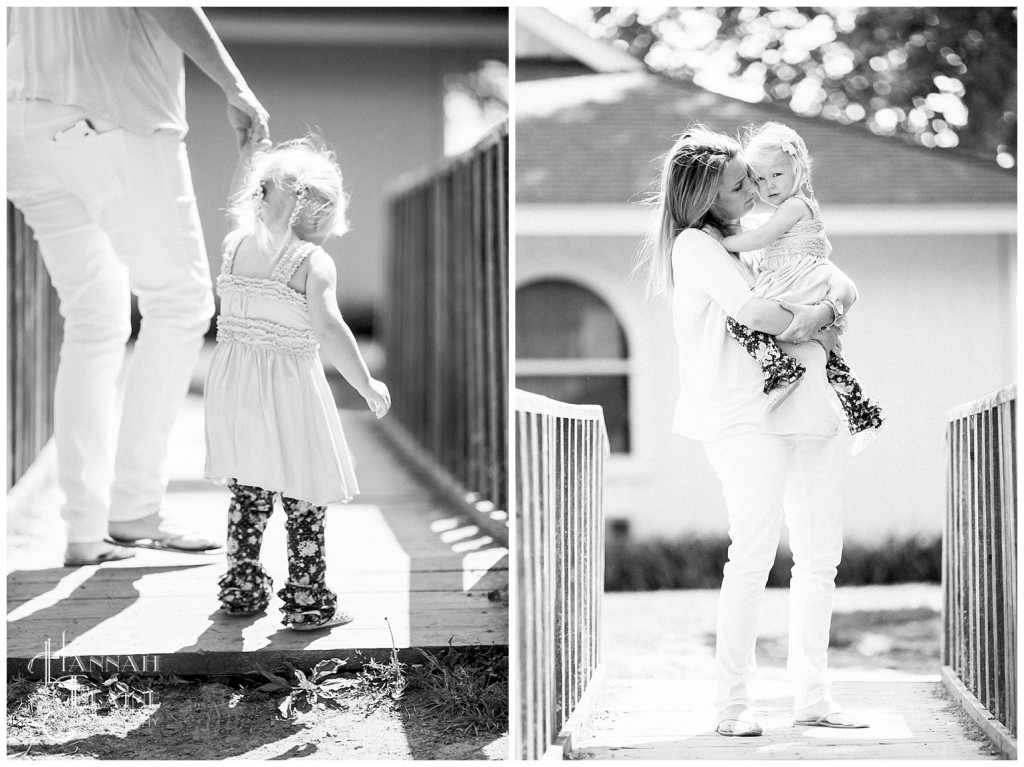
pixel 272 427
pixel 794 270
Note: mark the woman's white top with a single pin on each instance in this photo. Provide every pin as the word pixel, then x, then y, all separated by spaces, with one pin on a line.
pixel 720 385
pixel 271 420
pixel 115 63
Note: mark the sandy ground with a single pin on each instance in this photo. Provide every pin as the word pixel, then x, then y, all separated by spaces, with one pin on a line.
pixel 877 631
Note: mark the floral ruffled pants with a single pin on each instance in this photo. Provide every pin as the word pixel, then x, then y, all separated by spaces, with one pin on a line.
pixel 245 588
pixel 780 369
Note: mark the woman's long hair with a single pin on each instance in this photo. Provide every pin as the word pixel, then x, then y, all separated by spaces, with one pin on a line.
pixel 690 181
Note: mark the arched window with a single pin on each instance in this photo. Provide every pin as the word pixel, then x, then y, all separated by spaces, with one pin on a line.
pixel 571 347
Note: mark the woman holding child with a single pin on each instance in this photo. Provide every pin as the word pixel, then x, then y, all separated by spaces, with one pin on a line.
pixel 774 461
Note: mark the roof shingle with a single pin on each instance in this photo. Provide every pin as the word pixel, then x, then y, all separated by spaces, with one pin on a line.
pixel 600 139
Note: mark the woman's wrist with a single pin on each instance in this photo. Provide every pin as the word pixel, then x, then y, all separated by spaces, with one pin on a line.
pixel 832 311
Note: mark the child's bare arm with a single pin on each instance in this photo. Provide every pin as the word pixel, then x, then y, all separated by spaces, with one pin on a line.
pixel 782 220
pixel 336 337
pixel 238 178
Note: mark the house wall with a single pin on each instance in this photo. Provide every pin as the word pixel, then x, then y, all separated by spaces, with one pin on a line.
pixel 382 110
pixel 934 328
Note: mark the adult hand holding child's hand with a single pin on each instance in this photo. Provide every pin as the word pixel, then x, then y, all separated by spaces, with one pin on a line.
pixel 249 119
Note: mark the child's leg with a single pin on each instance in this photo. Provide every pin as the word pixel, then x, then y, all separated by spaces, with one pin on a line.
pixel 307 600
pixel 245 587
pixel 781 372
pixel 861 412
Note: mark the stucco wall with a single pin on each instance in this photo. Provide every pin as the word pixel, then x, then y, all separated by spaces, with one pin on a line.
pixel 934 328
pixel 381 108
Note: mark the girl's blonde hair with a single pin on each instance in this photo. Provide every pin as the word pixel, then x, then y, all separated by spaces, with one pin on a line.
pixel 690 180
pixel 761 142
pixel 306 168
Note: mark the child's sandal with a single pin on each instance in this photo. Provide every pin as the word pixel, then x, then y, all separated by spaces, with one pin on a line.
pixel 862 439
pixel 779 394
pixel 340 618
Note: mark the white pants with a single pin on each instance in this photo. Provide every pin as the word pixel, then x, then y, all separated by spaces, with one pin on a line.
pixel 113 213
pixel 765 478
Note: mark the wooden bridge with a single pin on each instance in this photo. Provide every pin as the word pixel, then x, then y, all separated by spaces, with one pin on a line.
pixel 572 706
pixel 660 707
pixel 400 556
pixel 420 556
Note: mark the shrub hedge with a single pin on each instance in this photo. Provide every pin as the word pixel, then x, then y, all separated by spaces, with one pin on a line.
pixel 696 563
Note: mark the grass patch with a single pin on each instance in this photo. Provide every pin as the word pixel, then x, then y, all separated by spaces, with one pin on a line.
pixel 696 563
pixel 466 688
pixel 449 705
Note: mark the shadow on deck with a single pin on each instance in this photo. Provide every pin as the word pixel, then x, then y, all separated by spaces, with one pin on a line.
pixel 399 558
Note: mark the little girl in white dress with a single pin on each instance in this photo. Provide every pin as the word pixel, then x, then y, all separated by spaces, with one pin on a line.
pixel 794 269
pixel 272 426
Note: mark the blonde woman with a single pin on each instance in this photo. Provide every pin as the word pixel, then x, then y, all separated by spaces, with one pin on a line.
pixel 762 458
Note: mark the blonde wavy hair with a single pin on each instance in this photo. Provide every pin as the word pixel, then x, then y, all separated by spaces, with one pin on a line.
pixel 690 179
pixel 762 143
pixel 305 167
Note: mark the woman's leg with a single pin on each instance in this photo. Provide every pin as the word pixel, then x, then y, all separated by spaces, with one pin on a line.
pixel 816 539
pixel 245 587
pixel 155 229
pixel 307 600
pixel 781 372
pixel 54 185
pixel 752 469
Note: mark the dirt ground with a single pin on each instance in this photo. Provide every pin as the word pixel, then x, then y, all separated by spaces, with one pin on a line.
pixel 876 630
pixel 213 720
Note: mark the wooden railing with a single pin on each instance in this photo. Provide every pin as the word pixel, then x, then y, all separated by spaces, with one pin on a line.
pixel 559 519
pixel 446 322
pixel 980 562
pixel 34 332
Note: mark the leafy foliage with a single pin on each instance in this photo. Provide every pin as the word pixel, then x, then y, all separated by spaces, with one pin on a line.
pixel 388 678
pixel 323 685
pixel 941 77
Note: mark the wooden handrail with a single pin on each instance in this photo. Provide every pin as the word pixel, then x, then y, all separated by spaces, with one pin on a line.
pixel 561 450
pixel 446 322
pixel 979 652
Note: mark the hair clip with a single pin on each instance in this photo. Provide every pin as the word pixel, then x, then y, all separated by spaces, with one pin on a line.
pixel 788 148
pixel 301 190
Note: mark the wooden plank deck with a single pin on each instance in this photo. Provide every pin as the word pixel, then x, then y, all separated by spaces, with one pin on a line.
pixel 669 719
pixel 396 556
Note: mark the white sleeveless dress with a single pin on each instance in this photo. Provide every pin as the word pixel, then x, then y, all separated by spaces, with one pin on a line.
pixel 271 420
pixel 796 267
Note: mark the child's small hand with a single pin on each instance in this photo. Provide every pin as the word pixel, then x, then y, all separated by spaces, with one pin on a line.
pixel 378 398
